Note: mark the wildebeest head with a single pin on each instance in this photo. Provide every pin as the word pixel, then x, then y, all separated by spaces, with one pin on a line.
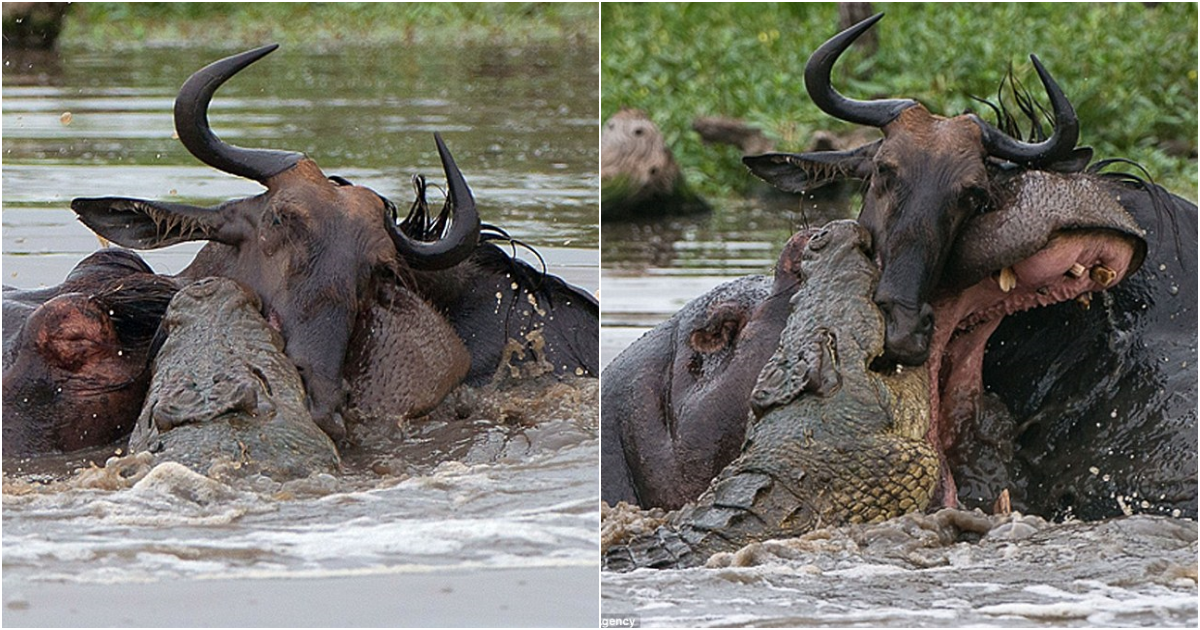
pixel 924 179
pixel 312 247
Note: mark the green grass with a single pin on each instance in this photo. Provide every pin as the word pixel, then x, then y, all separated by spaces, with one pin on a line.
pixel 109 24
pixel 1130 72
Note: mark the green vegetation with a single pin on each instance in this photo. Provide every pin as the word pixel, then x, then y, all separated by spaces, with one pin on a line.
pixel 227 24
pixel 1130 72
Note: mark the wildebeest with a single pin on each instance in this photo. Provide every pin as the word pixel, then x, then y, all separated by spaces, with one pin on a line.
pixel 924 179
pixel 326 258
pixel 1084 408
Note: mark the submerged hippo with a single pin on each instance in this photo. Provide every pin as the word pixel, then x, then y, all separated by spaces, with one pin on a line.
pixel 224 394
pixel 830 440
pixel 639 177
pixel 75 355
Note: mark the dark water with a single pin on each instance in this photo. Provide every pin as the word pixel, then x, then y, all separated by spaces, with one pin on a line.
pixel 482 499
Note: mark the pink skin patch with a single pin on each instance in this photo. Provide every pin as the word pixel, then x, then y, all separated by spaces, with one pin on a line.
pixel 1071 264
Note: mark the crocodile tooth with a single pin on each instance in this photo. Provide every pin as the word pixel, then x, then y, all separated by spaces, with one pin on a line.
pixel 1103 275
pixel 1003 504
pixel 1076 270
pixel 1007 279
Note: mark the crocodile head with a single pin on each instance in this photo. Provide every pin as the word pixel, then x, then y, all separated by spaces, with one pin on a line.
pixel 848 440
pixel 224 393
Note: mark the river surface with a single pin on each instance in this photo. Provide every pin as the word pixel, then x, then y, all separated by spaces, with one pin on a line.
pixel 915 571
pixel 481 522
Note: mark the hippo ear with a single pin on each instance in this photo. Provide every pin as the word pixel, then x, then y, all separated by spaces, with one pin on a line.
pixel 719 330
pixel 801 172
pixel 141 224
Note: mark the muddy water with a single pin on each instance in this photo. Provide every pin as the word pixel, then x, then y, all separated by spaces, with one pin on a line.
pixel 950 569
pixel 461 522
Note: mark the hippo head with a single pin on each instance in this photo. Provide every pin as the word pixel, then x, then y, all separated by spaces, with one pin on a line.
pixel 77 370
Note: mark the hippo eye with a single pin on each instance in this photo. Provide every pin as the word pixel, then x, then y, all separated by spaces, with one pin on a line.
pixel 976 200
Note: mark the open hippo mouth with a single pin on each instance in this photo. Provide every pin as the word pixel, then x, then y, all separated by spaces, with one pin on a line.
pixel 1024 256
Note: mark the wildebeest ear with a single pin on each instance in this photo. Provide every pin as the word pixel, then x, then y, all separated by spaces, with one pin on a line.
pixel 141 224
pixel 801 172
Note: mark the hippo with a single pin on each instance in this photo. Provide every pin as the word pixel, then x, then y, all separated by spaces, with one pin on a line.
pixel 224 396
pixel 1109 425
pixel 1085 244
pixel 75 355
pixel 639 176
pixel 830 441
pixel 693 374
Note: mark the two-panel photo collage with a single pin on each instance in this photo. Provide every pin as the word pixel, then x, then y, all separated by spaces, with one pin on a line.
pixel 606 314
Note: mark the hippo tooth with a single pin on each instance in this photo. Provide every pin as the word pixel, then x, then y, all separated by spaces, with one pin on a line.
pixel 1076 270
pixel 1085 300
pixel 1103 275
pixel 1007 279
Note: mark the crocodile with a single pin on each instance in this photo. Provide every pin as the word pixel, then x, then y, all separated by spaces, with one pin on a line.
pixel 224 398
pixel 829 441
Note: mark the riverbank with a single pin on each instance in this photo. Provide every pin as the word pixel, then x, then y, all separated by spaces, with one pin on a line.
pixel 1129 70
pixel 106 25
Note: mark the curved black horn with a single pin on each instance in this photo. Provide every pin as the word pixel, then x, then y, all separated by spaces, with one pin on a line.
pixel 1057 146
pixel 820 90
pixel 463 236
pixel 191 123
